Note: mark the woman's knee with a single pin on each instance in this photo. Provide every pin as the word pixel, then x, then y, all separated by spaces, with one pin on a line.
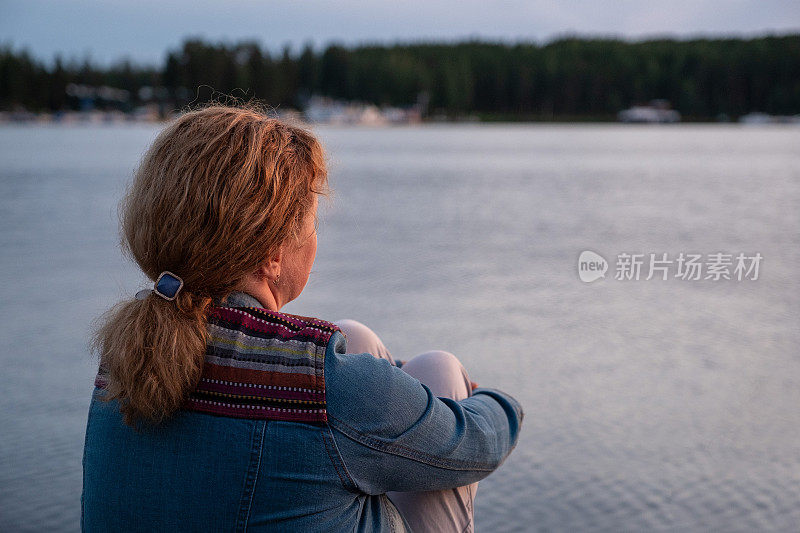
pixel 438 358
pixel 351 327
pixel 442 372
pixel 361 339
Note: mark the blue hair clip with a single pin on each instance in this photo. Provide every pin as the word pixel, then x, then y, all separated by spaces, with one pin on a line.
pixel 168 285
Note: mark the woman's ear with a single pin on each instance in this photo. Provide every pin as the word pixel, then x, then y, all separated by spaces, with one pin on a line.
pixel 271 268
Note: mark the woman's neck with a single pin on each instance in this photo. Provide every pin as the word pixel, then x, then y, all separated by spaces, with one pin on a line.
pixel 263 293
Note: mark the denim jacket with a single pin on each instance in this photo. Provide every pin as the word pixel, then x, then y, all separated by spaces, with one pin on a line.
pixel 382 431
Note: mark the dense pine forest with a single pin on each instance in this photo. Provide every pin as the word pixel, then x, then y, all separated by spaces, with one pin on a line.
pixel 566 79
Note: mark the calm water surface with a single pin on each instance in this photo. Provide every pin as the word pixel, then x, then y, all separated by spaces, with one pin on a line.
pixel 650 405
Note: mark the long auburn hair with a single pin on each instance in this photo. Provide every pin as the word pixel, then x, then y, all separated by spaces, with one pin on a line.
pixel 217 192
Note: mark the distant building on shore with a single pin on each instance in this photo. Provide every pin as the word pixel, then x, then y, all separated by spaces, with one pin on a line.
pixel 325 110
pixel 764 118
pixel 656 112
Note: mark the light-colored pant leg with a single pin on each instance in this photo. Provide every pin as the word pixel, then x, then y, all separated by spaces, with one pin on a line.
pixel 442 511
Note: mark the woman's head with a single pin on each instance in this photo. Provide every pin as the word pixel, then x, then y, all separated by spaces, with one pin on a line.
pixel 219 191
pixel 225 198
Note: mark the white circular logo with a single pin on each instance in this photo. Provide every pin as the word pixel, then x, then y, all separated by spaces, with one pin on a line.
pixel 591 266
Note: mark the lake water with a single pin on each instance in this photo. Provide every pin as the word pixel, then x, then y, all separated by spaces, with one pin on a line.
pixel 650 405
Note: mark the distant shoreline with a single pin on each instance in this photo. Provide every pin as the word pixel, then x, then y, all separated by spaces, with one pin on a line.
pixel 566 80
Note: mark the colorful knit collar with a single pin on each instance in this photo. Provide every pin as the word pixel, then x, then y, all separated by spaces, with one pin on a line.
pixel 262 364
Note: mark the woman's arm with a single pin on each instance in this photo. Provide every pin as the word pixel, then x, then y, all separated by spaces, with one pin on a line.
pixel 392 433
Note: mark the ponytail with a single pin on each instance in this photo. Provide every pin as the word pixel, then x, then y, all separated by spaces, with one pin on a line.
pixel 152 351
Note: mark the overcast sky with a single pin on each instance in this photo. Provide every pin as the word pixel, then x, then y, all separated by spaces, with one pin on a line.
pixel 144 30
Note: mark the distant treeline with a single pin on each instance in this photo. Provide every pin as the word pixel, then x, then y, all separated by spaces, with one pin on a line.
pixel 567 78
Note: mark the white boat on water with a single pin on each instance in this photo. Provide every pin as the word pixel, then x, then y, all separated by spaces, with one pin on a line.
pixel 656 112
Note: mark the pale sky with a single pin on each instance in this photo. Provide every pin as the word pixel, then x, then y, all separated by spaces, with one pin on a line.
pixel 144 30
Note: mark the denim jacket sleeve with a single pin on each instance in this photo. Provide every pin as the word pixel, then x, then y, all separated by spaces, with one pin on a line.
pixel 392 433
